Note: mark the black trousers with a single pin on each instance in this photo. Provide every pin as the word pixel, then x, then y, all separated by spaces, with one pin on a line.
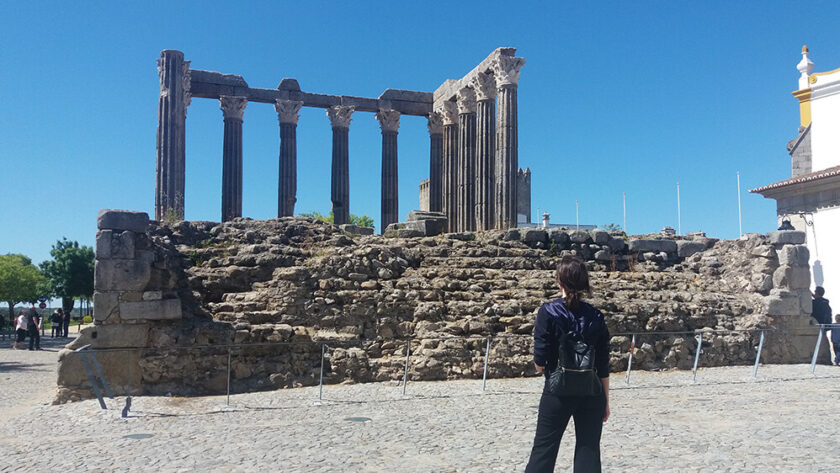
pixel 34 339
pixel 554 415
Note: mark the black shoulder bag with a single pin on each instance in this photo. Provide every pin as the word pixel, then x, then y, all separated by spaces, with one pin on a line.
pixel 575 374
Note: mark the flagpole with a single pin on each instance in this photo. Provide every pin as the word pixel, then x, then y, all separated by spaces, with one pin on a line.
pixel 740 231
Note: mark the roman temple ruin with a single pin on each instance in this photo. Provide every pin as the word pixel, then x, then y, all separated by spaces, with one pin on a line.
pixel 473 144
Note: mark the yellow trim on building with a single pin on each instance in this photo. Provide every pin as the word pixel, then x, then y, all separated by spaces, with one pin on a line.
pixel 812 79
pixel 804 97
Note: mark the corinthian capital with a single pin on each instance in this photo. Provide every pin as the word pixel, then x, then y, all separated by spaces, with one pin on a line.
pixel 484 86
pixel 233 106
pixel 466 100
pixel 449 111
pixel 506 70
pixel 339 115
pixel 435 123
pixel 287 110
pixel 389 120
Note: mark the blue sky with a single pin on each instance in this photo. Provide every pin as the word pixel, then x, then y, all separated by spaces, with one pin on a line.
pixel 615 97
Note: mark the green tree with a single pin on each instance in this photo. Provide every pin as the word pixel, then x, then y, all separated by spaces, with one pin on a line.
pixel 361 221
pixel 20 281
pixel 70 272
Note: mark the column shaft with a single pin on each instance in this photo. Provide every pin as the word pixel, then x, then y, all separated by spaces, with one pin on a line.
pixel 485 165
pixel 507 159
pixel 436 172
pixel 287 181
pixel 450 174
pixel 172 114
pixel 466 172
pixel 232 170
pixel 390 195
pixel 340 184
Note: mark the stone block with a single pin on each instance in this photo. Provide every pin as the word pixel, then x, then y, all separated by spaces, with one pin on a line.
pixel 512 235
pixel 792 277
pixel 559 238
pixel 686 248
pixel 806 302
pixel 165 309
pixel 103 244
pixel 580 236
pixel 786 237
pixel 656 246
pixel 355 229
pixel 603 255
pixel 775 305
pixel 617 244
pixel 532 236
pixel 152 295
pixel 104 305
pixel 794 255
pixel 419 215
pixel 121 369
pixel 122 275
pixel 122 220
pixel 463 236
pixel 764 251
pixel 112 336
pixel 410 233
pixel 431 227
pixel 122 245
pixel 600 237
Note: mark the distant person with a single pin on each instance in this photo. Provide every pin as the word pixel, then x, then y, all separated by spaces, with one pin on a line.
pixel 572 349
pixel 835 339
pixel 33 326
pixel 820 310
pixel 66 323
pixel 20 330
pixel 56 320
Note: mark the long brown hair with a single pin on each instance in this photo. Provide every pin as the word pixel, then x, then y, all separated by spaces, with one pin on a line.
pixel 573 277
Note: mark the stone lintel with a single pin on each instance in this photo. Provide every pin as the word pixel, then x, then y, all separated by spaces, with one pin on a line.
pixel 450 87
pixel 109 219
pixel 406 102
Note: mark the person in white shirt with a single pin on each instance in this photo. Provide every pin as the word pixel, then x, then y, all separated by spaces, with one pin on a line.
pixel 20 327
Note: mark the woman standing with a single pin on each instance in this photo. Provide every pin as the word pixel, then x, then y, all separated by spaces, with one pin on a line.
pixel 577 385
pixel 20 330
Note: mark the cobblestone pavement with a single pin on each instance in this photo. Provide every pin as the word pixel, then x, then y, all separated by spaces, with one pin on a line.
pixel 785 421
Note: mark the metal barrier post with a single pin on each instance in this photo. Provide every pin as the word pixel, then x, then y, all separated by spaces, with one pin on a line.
pixel 405 373
pixel 321 379
pixel 101 375
pixel 697 356
pixel 816 349
pixel 486 359
pixel 630 359
pixel 758 355
pixel 91 377
pixel 228 378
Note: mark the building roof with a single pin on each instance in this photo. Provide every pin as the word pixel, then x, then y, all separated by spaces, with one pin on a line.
pixel 810 177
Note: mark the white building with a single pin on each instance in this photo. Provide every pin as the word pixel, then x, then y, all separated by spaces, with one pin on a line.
pixel 810 199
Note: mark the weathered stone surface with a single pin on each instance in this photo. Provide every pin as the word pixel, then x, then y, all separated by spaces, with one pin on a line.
pixel 112 336
pixel 764 251
pixel 512 235
pixel 656 246
pixel 600 237
pixel 603 255
pixel 355 229
pixel 776 306
pixel 122 245
pixel 418 215
pixel 122 368
pixel 463 236
pixel 686 248
pixel 786 237
pixel 105 304
pixel 580 236
pixel 617 244
pixel 532 236
pixel 103 244
pixel 166 309
pixel 122 275
pixel 794 255
pixel 793 277
pixel 122 220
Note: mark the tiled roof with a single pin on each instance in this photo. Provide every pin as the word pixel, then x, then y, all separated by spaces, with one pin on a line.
pixel 811 176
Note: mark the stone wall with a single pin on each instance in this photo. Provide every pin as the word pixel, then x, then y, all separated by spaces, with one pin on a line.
pixel 172 299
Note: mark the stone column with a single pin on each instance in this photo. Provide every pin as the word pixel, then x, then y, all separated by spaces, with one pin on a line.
pixel 435 162
pixel 485 90
pixel 339 116
pixel 287 115
pixel 174 75
pixel 232 108
pixel 506 71
pixel 449 111
pixel 466 160
pixel 389 121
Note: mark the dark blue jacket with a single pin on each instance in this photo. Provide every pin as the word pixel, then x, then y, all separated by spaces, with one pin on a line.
pixel 554 319
pixel 820 310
